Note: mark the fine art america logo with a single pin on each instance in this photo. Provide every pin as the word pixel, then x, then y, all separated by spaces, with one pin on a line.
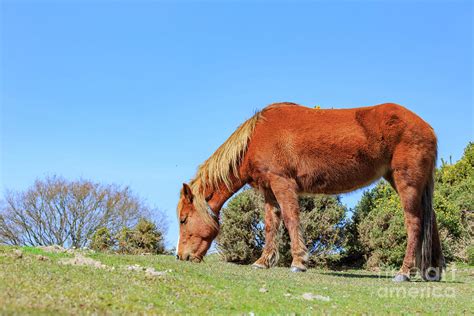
pixel 418 288
pixel 416 292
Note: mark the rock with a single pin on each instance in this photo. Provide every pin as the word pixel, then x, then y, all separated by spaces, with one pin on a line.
pixel 17 254
pixel 263 290
pixel 153 272
pixel 42 258
pixel 311 296
pixel 135 267
pixel 148 271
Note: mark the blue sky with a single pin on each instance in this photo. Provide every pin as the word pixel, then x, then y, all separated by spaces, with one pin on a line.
pixel 140 92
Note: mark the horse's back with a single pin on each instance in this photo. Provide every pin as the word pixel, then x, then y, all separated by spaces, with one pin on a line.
pixel 388 120
pixel 330 150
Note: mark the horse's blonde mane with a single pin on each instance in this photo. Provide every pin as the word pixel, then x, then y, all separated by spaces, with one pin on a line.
pixel 225 161
pixel 222 165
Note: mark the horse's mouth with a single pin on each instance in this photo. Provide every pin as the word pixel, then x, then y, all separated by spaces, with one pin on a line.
pixel 191 258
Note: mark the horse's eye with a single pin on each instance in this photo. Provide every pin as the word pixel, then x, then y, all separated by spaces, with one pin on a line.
pixel 183 221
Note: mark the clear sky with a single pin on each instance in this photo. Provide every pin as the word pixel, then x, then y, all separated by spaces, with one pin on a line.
pixel 139 93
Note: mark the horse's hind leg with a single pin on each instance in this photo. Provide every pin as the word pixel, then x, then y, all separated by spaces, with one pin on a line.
pixel 409 177
pixel 284 190
pixel 269 257
pixel 410 196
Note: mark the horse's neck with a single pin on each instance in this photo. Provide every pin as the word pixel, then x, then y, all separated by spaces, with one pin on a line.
pixel 222 193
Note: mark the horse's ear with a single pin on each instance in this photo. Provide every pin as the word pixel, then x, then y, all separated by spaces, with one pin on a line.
pixel 188 194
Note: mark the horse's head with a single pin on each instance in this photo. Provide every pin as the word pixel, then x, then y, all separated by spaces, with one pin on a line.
pixel 196 229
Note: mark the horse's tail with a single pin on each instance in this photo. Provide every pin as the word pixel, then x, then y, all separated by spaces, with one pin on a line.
pixel 431 262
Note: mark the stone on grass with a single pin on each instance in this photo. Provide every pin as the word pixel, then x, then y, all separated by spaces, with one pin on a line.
pixel 42 258
pixel 311 297
pixel 151 272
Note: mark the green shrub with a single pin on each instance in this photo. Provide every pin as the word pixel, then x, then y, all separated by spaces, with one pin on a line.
pixel 143 238
pixel 381 230
pixel 102 240
pixel 242 236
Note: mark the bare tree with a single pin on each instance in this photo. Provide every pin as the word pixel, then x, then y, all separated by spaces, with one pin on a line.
pixel 67 213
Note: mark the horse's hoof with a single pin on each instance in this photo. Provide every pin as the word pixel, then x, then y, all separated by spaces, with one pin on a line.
pixel 258 266
pixel 401 278
pixel 431 276
pixel 434 279
pixel 296 269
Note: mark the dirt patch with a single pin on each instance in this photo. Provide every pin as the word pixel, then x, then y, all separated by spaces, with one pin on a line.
pixel 80 260
pixel 55 249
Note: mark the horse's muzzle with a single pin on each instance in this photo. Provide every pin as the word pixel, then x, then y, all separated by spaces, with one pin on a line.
pixel 188 257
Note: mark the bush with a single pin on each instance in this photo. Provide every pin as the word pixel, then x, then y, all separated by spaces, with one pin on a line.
pixel 143 238
pixel 242 235
pixel 380 230
pixel 102 240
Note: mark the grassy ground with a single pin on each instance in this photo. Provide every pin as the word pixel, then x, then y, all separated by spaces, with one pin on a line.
pixel 34 281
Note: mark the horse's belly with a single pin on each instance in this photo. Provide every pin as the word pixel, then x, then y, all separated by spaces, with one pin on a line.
pixel 339 179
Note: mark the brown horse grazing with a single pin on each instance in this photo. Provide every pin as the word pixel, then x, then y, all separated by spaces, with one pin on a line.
pixel 287 149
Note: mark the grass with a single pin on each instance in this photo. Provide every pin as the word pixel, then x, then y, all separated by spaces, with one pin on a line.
pixel 30 285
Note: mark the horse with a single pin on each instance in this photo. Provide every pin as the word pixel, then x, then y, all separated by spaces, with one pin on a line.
pixel 287 149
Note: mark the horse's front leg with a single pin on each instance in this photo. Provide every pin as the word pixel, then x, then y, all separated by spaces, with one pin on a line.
pixel 285 190
pixel 270 254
